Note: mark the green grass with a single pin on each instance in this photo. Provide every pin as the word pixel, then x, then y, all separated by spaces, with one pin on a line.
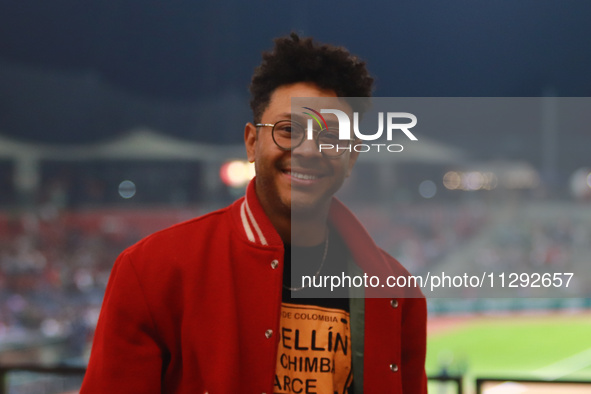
pixel 512 346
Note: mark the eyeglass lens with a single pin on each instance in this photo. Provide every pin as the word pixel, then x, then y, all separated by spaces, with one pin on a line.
pixel 289 135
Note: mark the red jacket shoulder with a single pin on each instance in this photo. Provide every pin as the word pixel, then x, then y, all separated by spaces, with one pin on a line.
pixel 179 243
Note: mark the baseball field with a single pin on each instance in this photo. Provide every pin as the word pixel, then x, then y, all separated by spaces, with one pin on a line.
pixel 548 347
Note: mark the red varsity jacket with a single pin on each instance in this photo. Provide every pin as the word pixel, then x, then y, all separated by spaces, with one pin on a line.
pixel 189 309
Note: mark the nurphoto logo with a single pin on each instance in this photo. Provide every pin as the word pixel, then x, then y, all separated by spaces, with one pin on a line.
pixel 343 131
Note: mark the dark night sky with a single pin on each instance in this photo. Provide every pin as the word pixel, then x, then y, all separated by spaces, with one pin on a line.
pixel 105 66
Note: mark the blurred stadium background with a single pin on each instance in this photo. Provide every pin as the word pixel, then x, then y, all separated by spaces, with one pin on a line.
pixel 119 120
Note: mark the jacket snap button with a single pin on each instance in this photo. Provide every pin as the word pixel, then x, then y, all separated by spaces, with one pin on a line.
pixel 268 333
pixel 393 367
pixel 394 303
pixel 274 264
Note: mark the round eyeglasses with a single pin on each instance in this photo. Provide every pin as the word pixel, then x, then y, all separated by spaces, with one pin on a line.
pixel 289 134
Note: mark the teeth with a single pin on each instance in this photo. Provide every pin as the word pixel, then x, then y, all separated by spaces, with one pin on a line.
pixel 302 176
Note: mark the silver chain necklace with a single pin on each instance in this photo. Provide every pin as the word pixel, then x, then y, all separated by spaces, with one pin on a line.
pixel 319 268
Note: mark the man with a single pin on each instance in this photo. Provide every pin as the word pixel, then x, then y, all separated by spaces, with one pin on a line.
pixel 206 306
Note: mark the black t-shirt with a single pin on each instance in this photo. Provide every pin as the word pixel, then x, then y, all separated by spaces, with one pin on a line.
pixel 315 343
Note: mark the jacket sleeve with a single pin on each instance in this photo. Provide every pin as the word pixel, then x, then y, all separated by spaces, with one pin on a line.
pixel 125 356
pixel 414 345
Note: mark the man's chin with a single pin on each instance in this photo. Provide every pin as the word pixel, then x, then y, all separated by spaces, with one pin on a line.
pixel 306 208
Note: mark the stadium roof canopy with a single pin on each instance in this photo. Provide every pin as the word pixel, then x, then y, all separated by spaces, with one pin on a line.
pixel 139 144
pixel 145 144
pixel 425 151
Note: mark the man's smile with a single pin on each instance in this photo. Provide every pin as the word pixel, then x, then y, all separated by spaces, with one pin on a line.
pixel 303 176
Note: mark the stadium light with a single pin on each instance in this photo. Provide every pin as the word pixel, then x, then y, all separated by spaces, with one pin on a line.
pixel 236 173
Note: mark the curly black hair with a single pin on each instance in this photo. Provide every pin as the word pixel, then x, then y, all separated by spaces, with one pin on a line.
pixel 295 59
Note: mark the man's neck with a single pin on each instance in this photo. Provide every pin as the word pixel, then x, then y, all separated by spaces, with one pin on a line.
pixel 309 231
pixel 301 230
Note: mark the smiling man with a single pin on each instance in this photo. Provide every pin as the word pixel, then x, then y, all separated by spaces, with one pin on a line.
pixel 209 305
pixel 295 184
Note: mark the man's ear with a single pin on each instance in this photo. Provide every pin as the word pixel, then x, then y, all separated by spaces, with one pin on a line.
pixel 250 138
pixel 352 157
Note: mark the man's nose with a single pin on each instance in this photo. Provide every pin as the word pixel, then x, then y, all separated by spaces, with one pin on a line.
pixel 307 148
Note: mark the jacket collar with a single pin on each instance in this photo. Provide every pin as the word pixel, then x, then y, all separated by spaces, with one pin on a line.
pixel 255 223
pixel 366 254
pixel 363 249
pixel 259 230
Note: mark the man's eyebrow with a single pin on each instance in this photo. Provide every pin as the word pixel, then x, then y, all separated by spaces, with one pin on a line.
pixel 297 116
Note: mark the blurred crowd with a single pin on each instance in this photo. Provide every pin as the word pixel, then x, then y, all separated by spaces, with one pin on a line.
pixel 421 235
pixel 54 267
